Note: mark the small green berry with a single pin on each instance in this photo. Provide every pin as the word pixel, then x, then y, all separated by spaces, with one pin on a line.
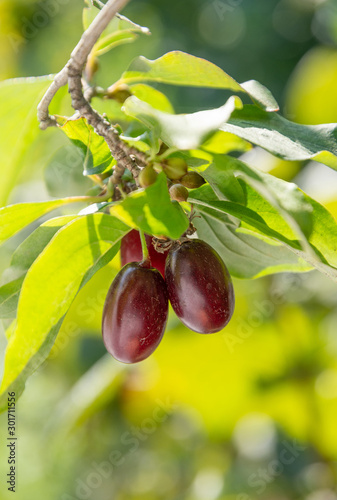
pixel 175 168
pixel 178 192
pixel 192 180
pixel 147 177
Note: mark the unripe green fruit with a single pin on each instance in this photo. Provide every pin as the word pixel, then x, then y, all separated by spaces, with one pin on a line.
pixel 147 177
pixel 175 168
pixel 192 180
pixel 178 192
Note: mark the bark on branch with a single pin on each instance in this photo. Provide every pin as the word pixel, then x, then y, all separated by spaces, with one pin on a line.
pixel 72 73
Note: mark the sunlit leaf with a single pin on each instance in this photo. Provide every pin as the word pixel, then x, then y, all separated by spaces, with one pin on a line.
pixel 152 96
pixel 18 126
pixel 179 68
pixel 283 138
pixel 97 156
pixel 9 294
pixel 246 254
pixel 153 211
pixel 58 272
pixel 224 142
pixel 15 217
pixel 181 131
pixel 317 242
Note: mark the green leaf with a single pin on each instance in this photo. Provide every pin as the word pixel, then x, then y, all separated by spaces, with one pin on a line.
pixel 66 163
pixel 153 211
pixel 271 208
pixel 246 254
pixel 18 126
pixel 22 259
pixel 181 131
pixel 224 142
pixel 281 204
pixel 179 68
pixel 111 108
pixel 15 217
pixel 96 153
pixel 9 295
pixel 251 218
pixel 283 138
pixel 49 288
pixel 152 96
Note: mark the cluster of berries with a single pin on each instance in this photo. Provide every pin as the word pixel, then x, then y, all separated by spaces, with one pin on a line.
pixel 191 275
pixel 178 175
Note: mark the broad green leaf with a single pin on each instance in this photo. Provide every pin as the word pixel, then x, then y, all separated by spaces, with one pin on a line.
pixel 66 164
pixel 49 288
pixel 246 254
pixel 152 96
pixel 112 109
pixel 153 211
pixel 319 250
pixel 224 142
pixel 22 259
pixel 15 217
pixel 96 153
pixel 283 138
pixel 9 294
pixel 32 246
pixel 324 232
pixel 251 218
pixel 281 204
pixel 179 68
pixel 181 131
pixel 18 126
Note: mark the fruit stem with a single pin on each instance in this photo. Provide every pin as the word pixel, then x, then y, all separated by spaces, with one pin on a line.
pixel 144 245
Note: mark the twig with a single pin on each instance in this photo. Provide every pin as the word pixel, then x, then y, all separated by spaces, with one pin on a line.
pixel 126 157
pixel 80 53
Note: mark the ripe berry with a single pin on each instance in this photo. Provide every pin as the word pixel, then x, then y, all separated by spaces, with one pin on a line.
pixel 199 286
pixel 192 180
pixel 131 251
pixel 178 192
pixel 135 313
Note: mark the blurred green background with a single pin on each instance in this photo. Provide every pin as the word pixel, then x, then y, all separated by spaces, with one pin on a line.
pixel 248 413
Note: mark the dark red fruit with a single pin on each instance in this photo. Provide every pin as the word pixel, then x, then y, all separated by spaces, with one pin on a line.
pixel 199 286
pixel 131 251
pixel 135 313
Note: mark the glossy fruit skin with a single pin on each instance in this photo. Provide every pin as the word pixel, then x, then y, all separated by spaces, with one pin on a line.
pixel 199 286
pixel 131 251
pixel 135 313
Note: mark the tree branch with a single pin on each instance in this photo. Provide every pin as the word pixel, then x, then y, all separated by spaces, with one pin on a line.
pixel 79 56
pixel 126 156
